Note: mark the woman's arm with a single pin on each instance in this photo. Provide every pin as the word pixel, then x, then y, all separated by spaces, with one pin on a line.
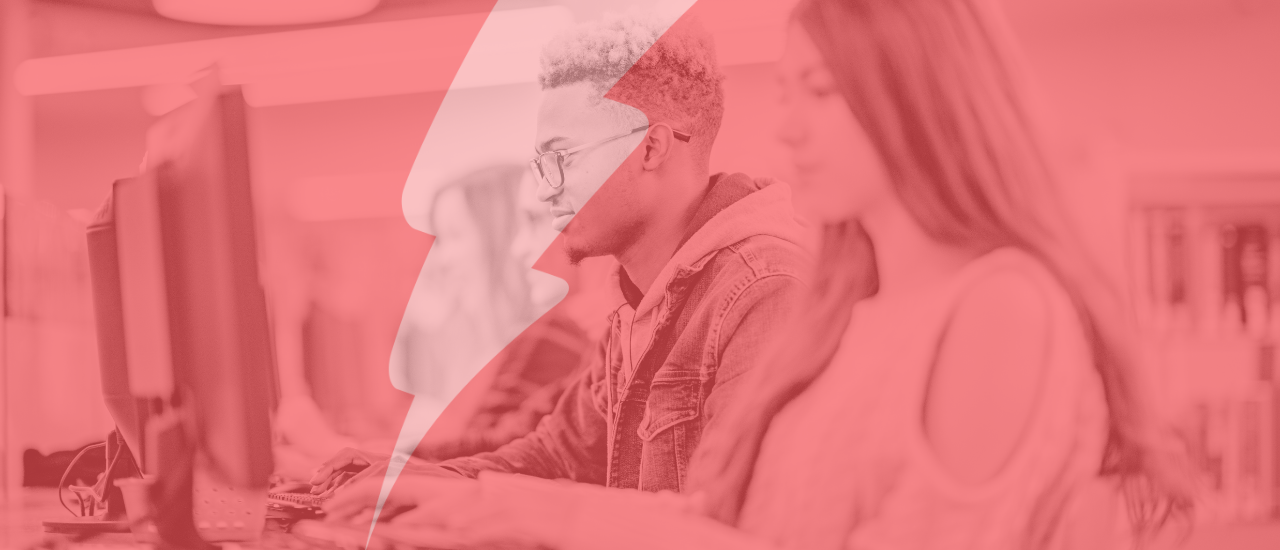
pixel 587 517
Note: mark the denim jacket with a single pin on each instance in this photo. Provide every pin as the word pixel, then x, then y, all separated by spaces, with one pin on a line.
pixel 674 357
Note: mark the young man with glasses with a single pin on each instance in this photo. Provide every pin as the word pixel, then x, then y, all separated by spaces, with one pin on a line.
pixel 709 265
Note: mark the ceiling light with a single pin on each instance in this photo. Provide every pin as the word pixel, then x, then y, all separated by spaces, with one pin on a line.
pixel 262 12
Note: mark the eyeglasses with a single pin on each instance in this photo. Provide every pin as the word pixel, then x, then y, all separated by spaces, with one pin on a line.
pixel 549 166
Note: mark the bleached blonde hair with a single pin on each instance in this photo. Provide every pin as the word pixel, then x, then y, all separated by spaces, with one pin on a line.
pixel 674 80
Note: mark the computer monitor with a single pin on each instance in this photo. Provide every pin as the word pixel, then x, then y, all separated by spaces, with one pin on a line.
pixel 186 356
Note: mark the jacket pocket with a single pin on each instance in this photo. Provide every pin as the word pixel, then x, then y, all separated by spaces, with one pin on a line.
pixel 670 402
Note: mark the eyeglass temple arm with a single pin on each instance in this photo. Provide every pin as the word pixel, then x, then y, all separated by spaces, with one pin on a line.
pixel 682 136
pixel 573 150
pixel 566 152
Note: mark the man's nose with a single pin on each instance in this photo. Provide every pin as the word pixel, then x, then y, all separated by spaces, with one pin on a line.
pixel 546 192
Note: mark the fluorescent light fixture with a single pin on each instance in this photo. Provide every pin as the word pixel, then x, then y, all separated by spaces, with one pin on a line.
pixel 262 12
pixel 327 64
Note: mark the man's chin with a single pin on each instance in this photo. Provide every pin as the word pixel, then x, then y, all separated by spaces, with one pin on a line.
pixel 577 250
pixel 575 254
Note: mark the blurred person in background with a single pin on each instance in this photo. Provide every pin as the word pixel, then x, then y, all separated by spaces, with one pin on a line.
pixel 537 366
pixel 963 377
pixel 482 291
pixel 474 292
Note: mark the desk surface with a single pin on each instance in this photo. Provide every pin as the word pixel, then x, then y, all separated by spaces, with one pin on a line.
pixel 21 529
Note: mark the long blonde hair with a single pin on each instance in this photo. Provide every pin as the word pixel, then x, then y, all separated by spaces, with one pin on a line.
pixel 930 83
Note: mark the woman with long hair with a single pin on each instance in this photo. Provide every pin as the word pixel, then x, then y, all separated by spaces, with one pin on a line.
pixel 963 376
pixel 1005 351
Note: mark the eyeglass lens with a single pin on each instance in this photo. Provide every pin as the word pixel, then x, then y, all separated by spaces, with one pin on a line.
pixel 547 167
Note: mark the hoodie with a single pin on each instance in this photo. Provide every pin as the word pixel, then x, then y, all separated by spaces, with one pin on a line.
pixel 676 352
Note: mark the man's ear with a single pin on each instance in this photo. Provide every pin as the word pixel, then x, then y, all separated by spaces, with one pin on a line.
pixel 658 145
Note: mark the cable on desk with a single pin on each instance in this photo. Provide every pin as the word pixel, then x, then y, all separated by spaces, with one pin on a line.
pixel 63 480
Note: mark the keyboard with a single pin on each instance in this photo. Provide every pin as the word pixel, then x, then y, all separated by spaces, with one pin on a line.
pixel 296 500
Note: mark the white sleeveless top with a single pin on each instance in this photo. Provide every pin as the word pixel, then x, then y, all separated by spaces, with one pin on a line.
pixel 847 465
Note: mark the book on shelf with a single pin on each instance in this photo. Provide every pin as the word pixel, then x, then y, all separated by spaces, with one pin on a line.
pixel 1206 280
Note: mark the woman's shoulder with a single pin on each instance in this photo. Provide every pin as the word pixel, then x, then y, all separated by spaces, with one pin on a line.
pixel 1010 283
pixel 1004 312
pixel 990 363
pixel 1009 308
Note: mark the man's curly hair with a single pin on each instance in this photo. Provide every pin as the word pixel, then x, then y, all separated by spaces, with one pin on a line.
pixel 674 80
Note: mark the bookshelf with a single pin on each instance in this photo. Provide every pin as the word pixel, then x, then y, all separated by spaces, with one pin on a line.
pixel 1204 254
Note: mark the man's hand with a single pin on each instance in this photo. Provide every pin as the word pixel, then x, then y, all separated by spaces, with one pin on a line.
pixel 459 509
pixel 420 500
pixel 343 467
pixel 351 466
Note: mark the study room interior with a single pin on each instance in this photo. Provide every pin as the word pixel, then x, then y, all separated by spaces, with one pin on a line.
pixel 263 173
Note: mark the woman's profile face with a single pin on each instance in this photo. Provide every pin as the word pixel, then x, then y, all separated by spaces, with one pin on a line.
pixel 839 174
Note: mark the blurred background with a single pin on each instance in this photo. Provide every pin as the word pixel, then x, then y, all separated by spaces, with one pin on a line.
pixel 1162 116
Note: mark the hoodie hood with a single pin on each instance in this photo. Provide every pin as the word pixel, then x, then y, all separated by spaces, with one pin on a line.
pixel 736 207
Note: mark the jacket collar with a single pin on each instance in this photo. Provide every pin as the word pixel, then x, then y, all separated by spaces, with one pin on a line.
pixel 735 207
